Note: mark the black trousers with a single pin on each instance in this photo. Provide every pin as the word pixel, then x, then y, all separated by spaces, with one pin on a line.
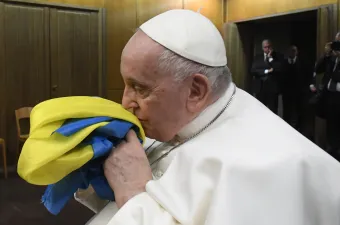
pixel 269 95
pixel 333 123
pixel 298 112
pixel 292 108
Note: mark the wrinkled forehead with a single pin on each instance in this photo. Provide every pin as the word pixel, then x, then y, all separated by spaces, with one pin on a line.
pixel 140 46
pixel 140 55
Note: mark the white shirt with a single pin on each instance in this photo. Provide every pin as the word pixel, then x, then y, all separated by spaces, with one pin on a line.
pixel 266 56
pixel 270 60
pixel 292 61
pixel 249 167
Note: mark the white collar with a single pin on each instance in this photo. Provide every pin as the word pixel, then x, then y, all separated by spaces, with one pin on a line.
pixel 292 59
pixel 207 115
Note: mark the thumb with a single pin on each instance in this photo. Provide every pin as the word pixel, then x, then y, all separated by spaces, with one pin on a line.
pixel 131 136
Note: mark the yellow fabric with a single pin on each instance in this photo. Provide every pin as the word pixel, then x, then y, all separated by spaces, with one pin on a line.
pixel 46 158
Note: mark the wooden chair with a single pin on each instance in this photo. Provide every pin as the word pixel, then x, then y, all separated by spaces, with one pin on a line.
pixel 3 148
pixel 22 113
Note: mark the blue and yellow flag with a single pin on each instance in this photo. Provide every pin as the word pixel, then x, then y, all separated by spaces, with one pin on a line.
pixel 69 140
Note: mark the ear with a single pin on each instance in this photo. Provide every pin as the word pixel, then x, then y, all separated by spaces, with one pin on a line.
pixel 200 90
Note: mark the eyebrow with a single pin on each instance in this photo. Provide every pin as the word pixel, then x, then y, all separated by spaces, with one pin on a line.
pixel 136 82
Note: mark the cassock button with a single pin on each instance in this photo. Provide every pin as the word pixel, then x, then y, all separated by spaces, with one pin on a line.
pixel 158 174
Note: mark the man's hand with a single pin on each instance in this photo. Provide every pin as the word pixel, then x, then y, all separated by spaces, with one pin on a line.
pixel 312 88
pixel 270 53
pixel 270 70
pixel 127 169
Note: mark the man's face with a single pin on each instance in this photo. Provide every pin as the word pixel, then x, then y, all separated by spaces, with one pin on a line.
pixel 337 37
pixel 266 46
pixel 293 52
pixel 328 49
pixel 156 99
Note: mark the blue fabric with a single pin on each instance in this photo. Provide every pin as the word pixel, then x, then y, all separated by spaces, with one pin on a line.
pixel 103 139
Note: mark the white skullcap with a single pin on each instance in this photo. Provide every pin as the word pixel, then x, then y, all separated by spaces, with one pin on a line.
pixel 189 34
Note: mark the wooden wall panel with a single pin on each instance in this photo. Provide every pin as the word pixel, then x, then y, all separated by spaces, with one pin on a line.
pixel 246 9
pixel 84 3
pixel 237 53
pixel 3 119
pixel 74 53
pixel 213 9
pixel 120 26
pixel 146 9
pixel 115 95
pixel 26 77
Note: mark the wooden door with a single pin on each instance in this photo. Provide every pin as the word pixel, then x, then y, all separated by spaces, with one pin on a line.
pixel 24 62
pixel 75 53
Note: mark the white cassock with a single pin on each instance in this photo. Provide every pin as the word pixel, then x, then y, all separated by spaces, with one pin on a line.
pixel 247 168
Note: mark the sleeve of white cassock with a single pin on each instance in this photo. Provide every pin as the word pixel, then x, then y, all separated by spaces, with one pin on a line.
pixel 140 210
pixel 90 199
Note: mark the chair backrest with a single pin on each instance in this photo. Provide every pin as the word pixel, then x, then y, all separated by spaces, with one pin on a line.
pixel 22 113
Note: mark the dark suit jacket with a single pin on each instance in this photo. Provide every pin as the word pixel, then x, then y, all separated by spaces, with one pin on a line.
pixel 296 77
pixel 268 81
pixel 324 65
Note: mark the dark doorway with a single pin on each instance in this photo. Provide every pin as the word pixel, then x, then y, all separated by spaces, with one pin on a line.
pixel 299 29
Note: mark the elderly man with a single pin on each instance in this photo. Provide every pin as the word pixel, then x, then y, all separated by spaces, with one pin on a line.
pixel 212 166
pixel 267 72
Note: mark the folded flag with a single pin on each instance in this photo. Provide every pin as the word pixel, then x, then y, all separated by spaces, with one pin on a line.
pixel 69 141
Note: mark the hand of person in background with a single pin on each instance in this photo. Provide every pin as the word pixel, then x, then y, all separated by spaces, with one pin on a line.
pixel 270 70
pixel 312 88
pixel 270 53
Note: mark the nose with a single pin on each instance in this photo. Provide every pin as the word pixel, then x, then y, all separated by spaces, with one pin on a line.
pixel 129 102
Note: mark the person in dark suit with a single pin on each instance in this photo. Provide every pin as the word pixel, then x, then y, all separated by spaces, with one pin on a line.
pixel 266 70
pixel 318 100
pixel 330 66
pixel 323 65
pixel 296 78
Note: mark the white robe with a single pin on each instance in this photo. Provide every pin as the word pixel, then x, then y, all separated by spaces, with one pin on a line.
pixel 248 168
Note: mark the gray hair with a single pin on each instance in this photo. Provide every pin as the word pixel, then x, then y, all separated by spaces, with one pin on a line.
pixel 268 41
pixel 181 68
